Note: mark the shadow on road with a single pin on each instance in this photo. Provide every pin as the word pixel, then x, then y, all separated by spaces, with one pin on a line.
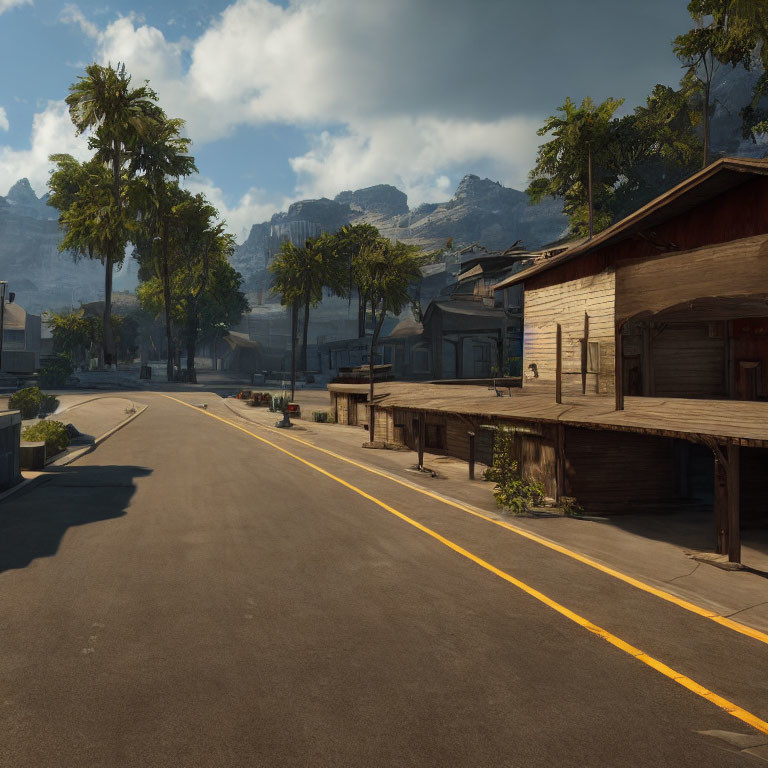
pixel 34 521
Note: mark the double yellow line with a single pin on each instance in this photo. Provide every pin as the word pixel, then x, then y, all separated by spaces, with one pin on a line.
pixel 680 679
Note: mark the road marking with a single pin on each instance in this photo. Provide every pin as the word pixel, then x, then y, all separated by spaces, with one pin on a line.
pixel 735 626
pixel 683 680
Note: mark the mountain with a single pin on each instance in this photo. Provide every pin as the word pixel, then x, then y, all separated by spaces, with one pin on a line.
pixel 480 211
pixel 30 262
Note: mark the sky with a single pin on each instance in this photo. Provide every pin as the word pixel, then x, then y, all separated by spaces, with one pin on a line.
pixel 305 98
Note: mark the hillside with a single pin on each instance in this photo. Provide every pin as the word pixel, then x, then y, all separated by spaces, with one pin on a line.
pixel 480 211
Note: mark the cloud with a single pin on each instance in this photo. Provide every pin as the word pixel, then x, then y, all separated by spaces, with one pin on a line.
pixel 412 94
pixel 4 124
pixel 255 206
pixel 6 5
pixel 52 133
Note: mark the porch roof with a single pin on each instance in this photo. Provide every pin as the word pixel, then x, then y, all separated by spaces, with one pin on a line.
pixel 724 421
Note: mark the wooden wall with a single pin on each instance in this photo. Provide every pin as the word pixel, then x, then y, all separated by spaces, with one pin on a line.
pixel 653 284
pixel 618 468
pixel 689 361
pixel 584 307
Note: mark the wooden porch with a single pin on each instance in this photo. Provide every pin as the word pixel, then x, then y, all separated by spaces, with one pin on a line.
pixel 725 427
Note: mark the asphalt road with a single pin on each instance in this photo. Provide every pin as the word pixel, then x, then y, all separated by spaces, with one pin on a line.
pixel 188 595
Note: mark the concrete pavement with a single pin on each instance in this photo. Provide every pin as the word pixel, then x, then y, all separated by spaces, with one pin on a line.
pixel 189 595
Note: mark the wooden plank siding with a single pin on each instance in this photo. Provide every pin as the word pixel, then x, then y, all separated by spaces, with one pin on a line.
pixel 653 284
pixel 688 362
pixel 567 304
pixel 604 468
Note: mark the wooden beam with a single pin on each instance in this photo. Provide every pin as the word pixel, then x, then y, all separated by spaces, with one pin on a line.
pixel 647 361
pixel 560 463
pixel 618 376
pixel 585 354
pixel 734 503
pixel 422 435
pixel 471 436
pixel 721 505
pixel 559 364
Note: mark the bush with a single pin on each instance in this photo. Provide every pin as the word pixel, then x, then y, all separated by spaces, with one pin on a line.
pixel 28 401
pixel 48 405
pixel 512 492
pixel 56 371
pixel 54 433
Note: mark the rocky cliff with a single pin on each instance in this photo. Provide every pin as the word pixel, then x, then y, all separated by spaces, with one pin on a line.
pixel 480 211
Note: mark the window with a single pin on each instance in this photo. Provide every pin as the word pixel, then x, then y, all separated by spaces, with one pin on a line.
pixel 593 357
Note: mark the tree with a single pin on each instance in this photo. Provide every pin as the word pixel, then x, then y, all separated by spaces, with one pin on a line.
pixel 345 273
pixel 285 270
pixel 655 147
pixel 386 272
pixel 314 274
pixel 192 276
pixel 719 36
pixel 575 164
pixel 103 102
pixel 161 156
pixel 72 333
pixel 82 194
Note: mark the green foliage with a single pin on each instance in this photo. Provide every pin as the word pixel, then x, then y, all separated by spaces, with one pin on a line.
pixel 54 433
pixel 562 163
pixel 725 32
pixel 635 157
pixel 27 400
pixel 56 371
pixel 511 491
pixel 48 405
pixel 569 506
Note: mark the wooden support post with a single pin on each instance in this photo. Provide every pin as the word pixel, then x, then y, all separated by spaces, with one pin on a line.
pixel 721 504
pixel 647 361
pixel 559 364
pixel 619 369
pixel 422 435
pixel 734 503
pixel 560 462
pixel 471 455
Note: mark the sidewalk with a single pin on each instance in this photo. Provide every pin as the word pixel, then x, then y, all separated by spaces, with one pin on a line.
pixel 95 416
pixel 655 548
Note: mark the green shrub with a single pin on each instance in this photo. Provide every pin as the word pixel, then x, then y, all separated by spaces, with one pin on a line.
pixel 27 400
pixel 56 371
pixel 570 507
pixel 48 405
pixel 511 492
pixel 54 433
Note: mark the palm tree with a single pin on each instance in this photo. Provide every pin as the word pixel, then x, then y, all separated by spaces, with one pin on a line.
pixel 161 155
pixel 103 102
pixel 312 277
pixel 285 270
pixel 386 271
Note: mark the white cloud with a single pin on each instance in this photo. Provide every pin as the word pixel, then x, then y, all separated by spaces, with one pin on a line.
pixel 254 206
pixel 411 94
pixel 415 155
pixel 4 124
pixel 6 5
pixel 52 133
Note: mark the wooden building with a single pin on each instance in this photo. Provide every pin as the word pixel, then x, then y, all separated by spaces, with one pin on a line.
pixel 671 302
pixel 645 361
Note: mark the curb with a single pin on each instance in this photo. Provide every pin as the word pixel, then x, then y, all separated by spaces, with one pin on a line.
pixel 70 457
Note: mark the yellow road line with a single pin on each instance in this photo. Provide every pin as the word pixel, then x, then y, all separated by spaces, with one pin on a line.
pixel 686 682
pixel 736 626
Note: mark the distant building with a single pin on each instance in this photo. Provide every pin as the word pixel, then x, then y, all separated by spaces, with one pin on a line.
pixel 21 340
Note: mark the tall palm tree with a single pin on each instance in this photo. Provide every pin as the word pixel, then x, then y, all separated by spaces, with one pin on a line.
pixel 161 156
pixel 285 270
pixel 103 102
pixel 312 277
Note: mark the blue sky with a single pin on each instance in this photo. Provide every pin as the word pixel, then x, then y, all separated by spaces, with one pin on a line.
pixel 303 98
